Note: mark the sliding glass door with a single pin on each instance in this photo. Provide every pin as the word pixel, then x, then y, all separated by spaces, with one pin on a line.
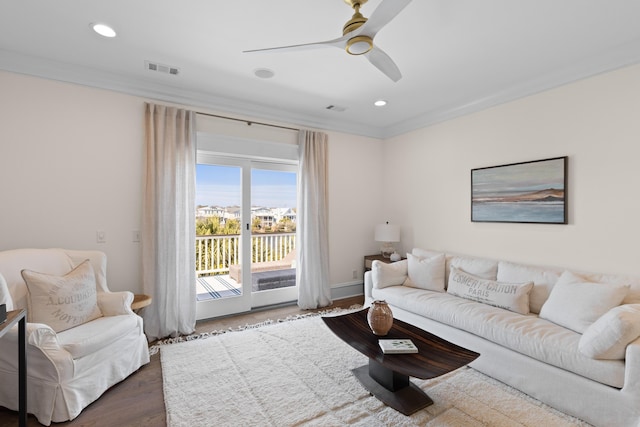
pixel 246 216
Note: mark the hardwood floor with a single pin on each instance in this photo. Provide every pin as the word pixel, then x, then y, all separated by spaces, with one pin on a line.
pixel 139 400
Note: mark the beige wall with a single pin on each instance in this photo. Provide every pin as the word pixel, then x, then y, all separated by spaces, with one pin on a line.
pixel 596 122
pixel 71 164
pixel 71 160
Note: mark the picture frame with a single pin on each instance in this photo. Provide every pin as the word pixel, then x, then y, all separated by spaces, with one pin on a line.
pixel 526 192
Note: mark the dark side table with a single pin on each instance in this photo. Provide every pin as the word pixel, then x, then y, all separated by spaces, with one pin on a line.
pixel 368 260
pixel 19 317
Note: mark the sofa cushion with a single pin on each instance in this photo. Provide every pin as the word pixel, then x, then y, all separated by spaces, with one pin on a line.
pixel 543 278
pixel 483 268
pixel 608 337
pixel 62 302
pixel 424 253
pixel 392 274
pixel 93 336
pixel 426 273
pixel 529 335
pixel 510 296
pixel 575 303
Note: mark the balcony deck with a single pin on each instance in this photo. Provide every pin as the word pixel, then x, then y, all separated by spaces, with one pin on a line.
pixel 223 286
pixel 216 287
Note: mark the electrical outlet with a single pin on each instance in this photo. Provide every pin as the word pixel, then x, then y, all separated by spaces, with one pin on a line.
pixel 101 236
pixel 135 236
pixel 354 274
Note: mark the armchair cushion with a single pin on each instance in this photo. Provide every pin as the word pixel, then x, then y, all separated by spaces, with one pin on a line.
pixel 92 337
pixel 63 302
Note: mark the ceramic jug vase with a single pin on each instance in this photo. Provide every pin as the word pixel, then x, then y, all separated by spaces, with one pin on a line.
pixel 380 317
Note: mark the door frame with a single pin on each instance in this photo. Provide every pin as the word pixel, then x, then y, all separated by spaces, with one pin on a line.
pixel 248 299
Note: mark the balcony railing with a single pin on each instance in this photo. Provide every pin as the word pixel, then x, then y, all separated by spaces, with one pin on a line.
pixel 214 254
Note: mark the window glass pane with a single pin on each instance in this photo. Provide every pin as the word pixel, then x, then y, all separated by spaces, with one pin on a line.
pixel 218 220
pixel 273 219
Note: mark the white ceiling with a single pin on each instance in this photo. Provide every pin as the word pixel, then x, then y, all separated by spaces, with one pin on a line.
pixel 456 56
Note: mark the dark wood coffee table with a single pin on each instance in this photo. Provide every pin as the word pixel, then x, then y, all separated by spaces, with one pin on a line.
pixel 387 375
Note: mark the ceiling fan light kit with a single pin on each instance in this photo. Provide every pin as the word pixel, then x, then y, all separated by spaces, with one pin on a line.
pixel 359 45
pixel 358 34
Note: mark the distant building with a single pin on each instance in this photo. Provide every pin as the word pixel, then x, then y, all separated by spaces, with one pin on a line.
pixel 268 216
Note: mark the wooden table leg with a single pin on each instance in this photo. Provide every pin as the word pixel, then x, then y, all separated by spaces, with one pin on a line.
pixel 407 398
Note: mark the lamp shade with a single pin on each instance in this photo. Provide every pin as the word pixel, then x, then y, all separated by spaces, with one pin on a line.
pixel 387 233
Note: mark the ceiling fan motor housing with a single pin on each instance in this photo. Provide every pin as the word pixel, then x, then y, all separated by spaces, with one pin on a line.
pixel 358 45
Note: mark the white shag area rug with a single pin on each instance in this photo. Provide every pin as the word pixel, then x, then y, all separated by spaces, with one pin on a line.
pixel 298 373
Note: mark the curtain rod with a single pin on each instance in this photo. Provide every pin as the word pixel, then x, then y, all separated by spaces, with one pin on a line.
pixel 248 122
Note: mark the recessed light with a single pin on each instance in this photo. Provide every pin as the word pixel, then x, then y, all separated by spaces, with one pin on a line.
pixel 264 73
pixel 380 103
pixel 104 30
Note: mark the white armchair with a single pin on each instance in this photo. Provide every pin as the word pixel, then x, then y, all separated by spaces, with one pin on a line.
pixel 69 369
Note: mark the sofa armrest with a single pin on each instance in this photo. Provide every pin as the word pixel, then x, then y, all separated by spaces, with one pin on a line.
pixel 368 284
pixel 53 363
pixel 115 303
pixel 632 368
pixel 42 336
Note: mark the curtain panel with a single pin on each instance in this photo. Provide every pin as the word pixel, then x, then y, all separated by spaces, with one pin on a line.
pixel 168 221
pixel 313 234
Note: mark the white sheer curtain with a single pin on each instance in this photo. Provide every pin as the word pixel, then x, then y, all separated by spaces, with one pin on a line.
pixel 313 232
pixel 168 222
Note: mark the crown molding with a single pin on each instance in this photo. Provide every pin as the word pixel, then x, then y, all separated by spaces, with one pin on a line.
pixel 70 73
pixel 625 55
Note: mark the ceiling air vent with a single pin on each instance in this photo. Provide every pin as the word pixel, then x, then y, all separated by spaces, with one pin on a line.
pixel 166 69
pixel 337 108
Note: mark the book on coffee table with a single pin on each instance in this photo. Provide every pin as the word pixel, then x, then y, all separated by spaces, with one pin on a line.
pixel 397 346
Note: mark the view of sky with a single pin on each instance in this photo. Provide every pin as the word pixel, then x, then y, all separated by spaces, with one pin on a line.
pixel 220 186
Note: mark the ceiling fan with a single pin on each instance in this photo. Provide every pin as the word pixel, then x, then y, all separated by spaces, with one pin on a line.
pixel 358 34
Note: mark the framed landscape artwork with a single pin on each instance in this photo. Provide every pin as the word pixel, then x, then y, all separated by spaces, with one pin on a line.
pixel 528 192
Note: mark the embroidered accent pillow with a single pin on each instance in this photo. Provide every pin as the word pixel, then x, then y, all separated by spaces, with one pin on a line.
pixel 63 302
pixel 510 296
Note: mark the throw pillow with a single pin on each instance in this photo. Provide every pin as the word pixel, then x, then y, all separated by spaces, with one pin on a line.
pixel 543 279
pixel 510 296
pixel 63 302
pixel 392 274
pixel 426 273
pixel 607 337
pixel 575 303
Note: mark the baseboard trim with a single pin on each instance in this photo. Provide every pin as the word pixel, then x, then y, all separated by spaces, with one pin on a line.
pixel 347 290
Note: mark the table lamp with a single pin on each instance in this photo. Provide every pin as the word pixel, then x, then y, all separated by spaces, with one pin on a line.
pixel 387 234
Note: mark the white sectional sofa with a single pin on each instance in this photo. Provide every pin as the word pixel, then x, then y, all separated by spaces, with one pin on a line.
pixel 568 339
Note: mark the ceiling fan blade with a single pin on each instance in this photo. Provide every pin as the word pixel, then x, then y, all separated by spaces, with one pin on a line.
pixel 340 42
pixel 384 13
pixel 384 63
